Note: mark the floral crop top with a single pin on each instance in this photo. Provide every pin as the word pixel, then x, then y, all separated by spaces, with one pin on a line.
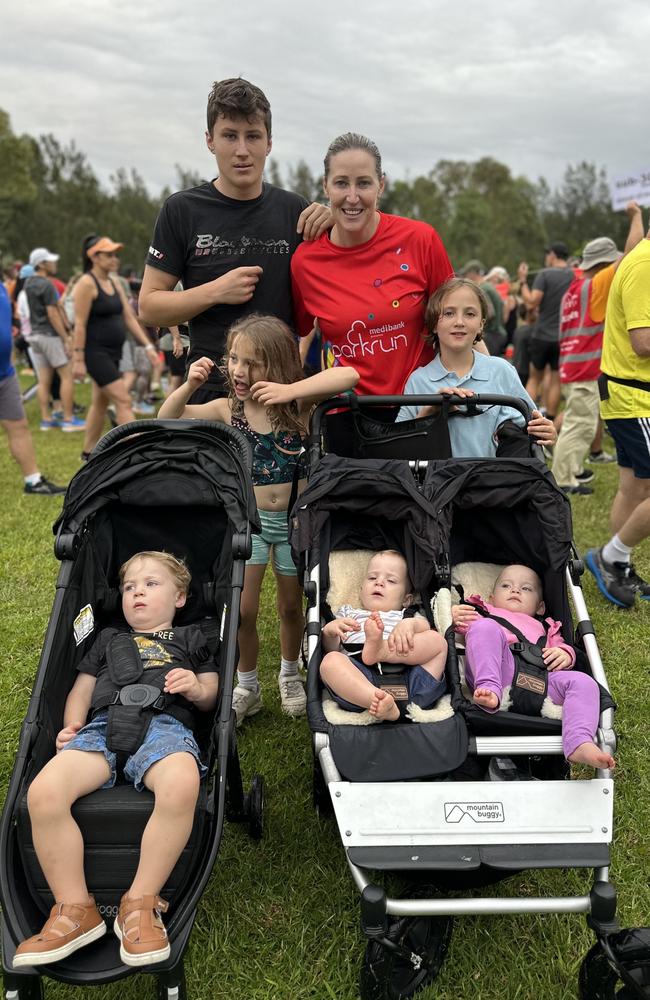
pixel 275 455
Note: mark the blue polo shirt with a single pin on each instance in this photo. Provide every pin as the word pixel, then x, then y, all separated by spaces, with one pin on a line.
pixel 6 342
pixel 471 437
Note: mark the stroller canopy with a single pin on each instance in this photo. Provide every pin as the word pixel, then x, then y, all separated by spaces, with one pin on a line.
pixel 367 504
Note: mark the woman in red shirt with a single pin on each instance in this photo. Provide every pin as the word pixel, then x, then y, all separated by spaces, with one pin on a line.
pixel 366 283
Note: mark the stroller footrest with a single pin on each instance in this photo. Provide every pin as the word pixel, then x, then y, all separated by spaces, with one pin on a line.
pixel 460 858
pixel 482 813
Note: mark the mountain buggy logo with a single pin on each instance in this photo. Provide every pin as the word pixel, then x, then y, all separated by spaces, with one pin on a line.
pixel 478 812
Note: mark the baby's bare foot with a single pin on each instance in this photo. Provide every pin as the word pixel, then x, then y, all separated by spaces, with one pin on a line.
pixel 383 706
pixel 589 753
pixel 374 646
pixel 485 698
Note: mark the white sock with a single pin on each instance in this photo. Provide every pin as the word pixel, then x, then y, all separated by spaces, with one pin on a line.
pixel 616 551
pixel 248 679
pixel 34 478
pixel 289 668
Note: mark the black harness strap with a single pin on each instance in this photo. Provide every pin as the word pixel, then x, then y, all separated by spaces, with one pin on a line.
pixel 530 682
pixel 131 708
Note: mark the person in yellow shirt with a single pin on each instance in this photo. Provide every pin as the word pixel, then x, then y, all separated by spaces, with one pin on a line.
pixel 582 321
pixel 625 407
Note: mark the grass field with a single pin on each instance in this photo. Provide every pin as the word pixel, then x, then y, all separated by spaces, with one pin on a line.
pixel 280 919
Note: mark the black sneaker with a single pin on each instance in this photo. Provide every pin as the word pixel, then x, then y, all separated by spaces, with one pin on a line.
pixel 585 476
pixel 44 487
pixel 581 491
pixel 615 580
pixel 642 586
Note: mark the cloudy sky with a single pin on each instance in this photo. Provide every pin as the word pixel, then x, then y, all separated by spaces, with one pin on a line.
pixel 535 85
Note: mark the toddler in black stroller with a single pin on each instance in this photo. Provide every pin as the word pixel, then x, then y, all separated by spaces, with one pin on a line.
pixel 185 488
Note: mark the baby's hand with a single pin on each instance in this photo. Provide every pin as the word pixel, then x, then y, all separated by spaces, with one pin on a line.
pixel 338 628
pixel 64 737
pixel 199 372
pixel 271 393
pixel 400 641
pixel 181 681
pixel 542 429
pixel 462 615
pixel 556 658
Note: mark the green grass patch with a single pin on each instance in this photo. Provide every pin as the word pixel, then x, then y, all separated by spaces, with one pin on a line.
pixel 280 919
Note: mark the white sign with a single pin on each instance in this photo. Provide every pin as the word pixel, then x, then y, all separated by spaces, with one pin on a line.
pixel 634 186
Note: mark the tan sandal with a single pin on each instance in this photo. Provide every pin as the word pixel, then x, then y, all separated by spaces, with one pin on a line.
pixel 141 931
pixel 69 926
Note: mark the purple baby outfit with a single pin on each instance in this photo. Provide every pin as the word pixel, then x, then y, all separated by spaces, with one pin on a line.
pixel 489 664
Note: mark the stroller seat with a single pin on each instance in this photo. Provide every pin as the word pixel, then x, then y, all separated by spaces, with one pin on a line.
pixel 186 488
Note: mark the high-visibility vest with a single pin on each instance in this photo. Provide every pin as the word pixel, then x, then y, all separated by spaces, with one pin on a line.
pixel 581 338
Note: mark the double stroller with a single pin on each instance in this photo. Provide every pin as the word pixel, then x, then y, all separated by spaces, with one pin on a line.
pixel 183 486
pixel 451 799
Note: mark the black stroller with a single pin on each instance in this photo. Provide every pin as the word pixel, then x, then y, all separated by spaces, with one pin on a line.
pixel 428 801
pixel 184 486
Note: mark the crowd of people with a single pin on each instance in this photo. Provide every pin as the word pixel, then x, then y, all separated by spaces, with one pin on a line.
pixel 238 275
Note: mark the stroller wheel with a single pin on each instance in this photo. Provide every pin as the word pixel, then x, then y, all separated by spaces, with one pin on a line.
pixel 256 807
pixel 171 986
pixel 601 977
pixel 390 975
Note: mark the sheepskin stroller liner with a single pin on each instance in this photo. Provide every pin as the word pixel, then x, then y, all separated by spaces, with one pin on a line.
pixel 348 506
pixel 455 834
pixel 184 486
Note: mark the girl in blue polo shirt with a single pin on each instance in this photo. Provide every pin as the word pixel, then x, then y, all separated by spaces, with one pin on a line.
pixel 454 319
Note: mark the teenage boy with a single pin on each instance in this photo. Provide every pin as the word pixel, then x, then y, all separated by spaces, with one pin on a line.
pixel 229 241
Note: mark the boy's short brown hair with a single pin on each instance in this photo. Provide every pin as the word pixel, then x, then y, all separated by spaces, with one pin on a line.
pixel 176 567
pixel 237 98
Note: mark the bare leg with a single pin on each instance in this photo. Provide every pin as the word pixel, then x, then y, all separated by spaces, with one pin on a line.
pixel 174 780
pixel 249 643
pixel 429 649
pixel 117 394
pixel 95 418
pixel 21 445
pixel 67 391
pixel 44 373
pixel 630 511
pixel 534 383
pixel 57 838
pixel 341 675
pixel 292 621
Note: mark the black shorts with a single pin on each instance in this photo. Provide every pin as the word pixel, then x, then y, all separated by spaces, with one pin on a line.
pixel 103 364
pixel 175 365
pixel 543 353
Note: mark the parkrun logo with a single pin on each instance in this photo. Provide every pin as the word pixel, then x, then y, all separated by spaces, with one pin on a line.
pixel 361 341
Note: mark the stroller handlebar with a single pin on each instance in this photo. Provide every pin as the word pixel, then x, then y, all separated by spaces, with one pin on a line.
pixel 135 427
pixel 352 402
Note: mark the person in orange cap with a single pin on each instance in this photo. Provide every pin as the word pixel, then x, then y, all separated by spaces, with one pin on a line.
pixel 101 316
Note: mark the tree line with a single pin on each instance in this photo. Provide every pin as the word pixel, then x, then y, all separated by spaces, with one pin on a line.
pixel 50 196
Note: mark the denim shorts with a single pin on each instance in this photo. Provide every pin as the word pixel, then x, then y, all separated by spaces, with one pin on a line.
pixel 275 533
pixel 423 688
pixel 165 736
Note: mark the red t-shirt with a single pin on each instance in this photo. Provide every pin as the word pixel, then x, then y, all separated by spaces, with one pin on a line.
pixel 369 300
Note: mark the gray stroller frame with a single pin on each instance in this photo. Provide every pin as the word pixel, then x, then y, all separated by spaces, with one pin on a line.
pixel 451 831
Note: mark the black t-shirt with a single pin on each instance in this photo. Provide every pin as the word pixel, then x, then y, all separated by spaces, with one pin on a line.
pixel 201 234
pixel 553 282
pixel 160 652
pixel 40 293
